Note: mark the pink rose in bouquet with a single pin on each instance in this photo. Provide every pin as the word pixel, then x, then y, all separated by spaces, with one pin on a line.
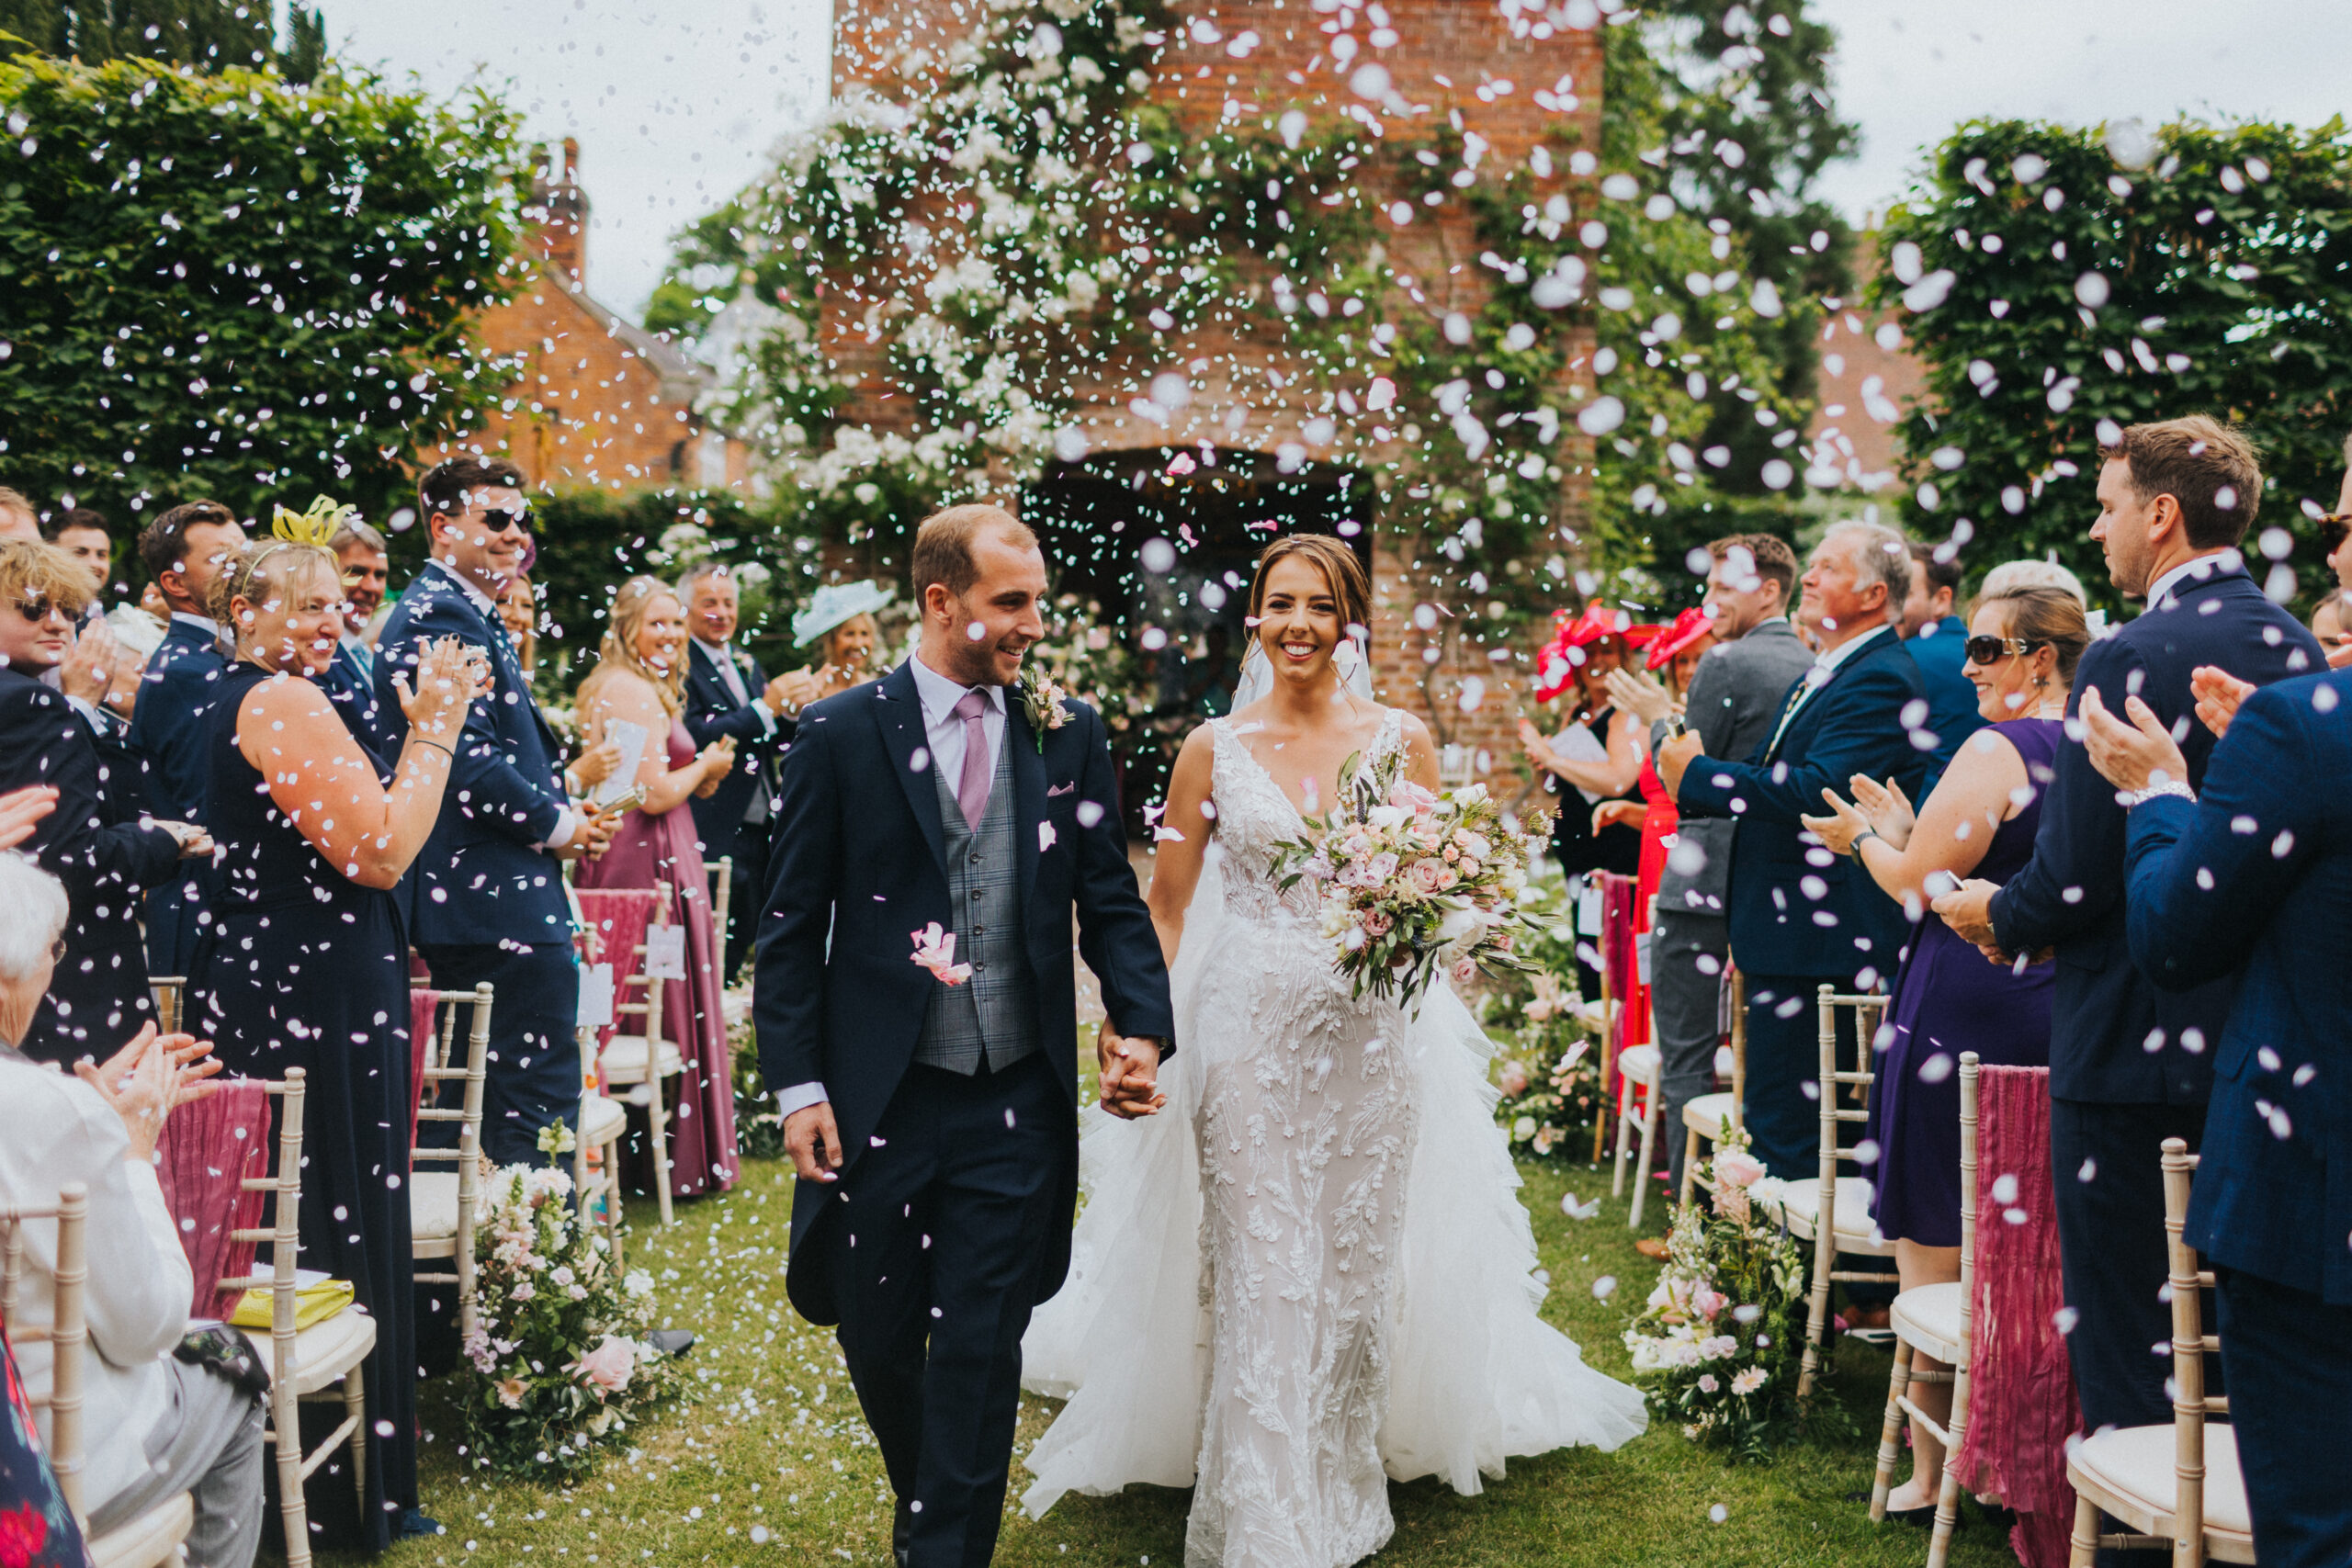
pixel 1426 876
pixel 1411 796
pixel 1376 922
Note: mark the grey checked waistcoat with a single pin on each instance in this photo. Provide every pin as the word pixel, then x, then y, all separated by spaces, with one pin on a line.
pixel 994 1012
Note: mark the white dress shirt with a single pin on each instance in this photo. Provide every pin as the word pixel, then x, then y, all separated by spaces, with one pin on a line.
pixel 731 675
pixel 204 624
pixel 944 732
pixel 2171 582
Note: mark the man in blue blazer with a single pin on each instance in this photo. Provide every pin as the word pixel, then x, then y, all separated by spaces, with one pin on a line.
pixel 1800 916
pixel 1936 637
pixel 185 551
pixel 932 1116
pixel 2249 879
pixel 2130 1066
pixel 350 678
pixel 484 900
pixel 729 696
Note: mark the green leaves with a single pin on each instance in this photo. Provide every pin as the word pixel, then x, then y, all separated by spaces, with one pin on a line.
pixel 233 287
pixel 2089 276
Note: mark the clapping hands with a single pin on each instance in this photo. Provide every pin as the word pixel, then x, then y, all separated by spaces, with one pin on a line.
pixel 449 678
pixel 149 1078
pixel 1643 696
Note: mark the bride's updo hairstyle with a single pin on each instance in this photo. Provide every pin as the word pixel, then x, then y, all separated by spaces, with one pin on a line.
pixel 1341 569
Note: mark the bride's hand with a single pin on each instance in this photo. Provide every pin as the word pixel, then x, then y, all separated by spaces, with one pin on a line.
pixel 1129 1074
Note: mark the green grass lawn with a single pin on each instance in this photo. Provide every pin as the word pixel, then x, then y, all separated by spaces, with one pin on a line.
pixel 768 1462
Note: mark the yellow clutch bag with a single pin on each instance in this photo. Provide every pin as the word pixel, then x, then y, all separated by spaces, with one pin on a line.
pixel 313 1303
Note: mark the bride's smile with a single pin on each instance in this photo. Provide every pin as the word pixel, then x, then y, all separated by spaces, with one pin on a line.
pixel 1299 623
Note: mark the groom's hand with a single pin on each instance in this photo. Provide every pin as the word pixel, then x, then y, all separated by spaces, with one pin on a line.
pixel 1130 1071
pixel 814 1142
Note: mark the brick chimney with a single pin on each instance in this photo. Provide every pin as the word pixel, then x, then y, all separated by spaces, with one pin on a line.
pixel 559 209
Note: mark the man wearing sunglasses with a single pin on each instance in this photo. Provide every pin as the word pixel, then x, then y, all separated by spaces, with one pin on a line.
pixel 485 899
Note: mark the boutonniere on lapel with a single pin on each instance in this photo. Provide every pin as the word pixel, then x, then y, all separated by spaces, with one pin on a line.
pixel 1041 699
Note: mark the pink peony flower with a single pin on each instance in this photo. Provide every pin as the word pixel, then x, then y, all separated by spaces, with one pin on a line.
pixel 935 951
pixel 1737 1168
pixel 1707 1383
pixel 610 1364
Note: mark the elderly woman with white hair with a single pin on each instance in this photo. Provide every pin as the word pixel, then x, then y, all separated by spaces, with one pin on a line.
pixel 155 1424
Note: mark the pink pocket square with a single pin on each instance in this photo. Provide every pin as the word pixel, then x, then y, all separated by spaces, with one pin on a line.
pixel 1060 789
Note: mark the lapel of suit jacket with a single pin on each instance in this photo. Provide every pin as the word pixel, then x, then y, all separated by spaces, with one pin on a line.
pixel 1798 706
pixel 898 715
pixel 1028 788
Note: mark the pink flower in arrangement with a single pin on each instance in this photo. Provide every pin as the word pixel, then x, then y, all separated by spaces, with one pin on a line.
pixel 1737 1168
pixel 1464 971
pixel 935 951
pixel 1426 876
pixel 510 1393
pixel 1376 922
pixel 1707 1383
pixel 1514 1078
pixel 1709 1302
pixel 1411 796
pixel 1731 1202
pixel 610 1364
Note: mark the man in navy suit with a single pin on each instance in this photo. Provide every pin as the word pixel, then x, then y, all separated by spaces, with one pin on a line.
pixel 1935 635
pixel 932 1115
pixel 484 900
pixel 185 551
pixel 350 678
pixel 2250 878
pixel 1800 916
pixel 730 697
pixel 2130 1066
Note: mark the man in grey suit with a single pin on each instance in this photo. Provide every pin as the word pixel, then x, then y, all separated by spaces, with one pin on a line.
pixel 1733 701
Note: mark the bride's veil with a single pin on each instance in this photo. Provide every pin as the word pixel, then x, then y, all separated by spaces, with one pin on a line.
pixel 1258 675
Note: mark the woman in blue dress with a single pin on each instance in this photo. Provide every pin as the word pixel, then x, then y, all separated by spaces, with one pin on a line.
pixel 1979 822
pixel 305 963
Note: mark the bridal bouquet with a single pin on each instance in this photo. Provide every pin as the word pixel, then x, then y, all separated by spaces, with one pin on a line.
pixel 558 1365
pixel 1417 882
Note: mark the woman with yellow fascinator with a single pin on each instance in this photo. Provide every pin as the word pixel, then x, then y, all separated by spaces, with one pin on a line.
pixel 305 963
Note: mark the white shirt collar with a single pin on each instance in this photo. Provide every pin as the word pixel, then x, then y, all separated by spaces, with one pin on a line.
pixel 2199 567
pixel 724 652
pixel 358 644
pixel 1824 662
pixel 202 622
pixel 939 694
pixel 482 600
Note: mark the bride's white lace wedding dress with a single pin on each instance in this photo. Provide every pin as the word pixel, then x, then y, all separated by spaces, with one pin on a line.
pixel 1311 1272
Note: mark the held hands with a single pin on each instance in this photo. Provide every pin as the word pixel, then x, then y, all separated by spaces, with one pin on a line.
pixel 1130 1069
pixel 448 679
pixel 194 841
pixel 2131 756
pixel 1643 696
pixel 147 1079
pixel 2219 692
pixel 814 1142
pixel 21 809
pixel 1968 910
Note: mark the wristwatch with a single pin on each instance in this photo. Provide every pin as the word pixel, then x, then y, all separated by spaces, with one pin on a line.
pixel 2170 787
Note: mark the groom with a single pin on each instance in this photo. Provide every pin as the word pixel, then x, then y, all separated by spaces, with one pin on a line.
pixel 932 1098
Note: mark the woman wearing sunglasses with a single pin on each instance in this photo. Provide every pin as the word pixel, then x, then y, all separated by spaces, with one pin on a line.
pixel 1978 822
pixel 94 841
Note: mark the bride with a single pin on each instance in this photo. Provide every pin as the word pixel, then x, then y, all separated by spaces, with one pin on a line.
pixel 1312 1273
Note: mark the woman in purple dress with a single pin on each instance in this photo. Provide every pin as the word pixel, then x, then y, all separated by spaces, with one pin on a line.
pixel 1979 822
pixel 639 679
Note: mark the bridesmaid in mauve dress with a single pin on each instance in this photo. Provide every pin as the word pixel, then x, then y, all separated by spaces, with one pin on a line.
pixel 640 677
pixel 304 962
pixel 1979 823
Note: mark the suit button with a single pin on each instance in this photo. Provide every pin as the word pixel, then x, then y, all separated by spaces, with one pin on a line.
pixel 980 968
pixel 976 894
pixel 978 930
pixel 976 860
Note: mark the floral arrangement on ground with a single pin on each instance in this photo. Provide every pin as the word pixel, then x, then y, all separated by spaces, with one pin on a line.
pixel 1546 1066
pixel 559 1365
pixel 1720 1341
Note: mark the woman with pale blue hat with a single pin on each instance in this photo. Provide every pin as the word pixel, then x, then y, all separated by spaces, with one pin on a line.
pixel 841 618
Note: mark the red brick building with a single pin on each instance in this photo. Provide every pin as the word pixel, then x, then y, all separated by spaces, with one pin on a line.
pixel 598 401
pixel 1252 62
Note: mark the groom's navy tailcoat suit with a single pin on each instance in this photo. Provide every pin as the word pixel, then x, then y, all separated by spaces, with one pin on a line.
pixel 859 865
pixel 1800 916
pixel 2253 882
pixel 483 900
pixel 2129 1066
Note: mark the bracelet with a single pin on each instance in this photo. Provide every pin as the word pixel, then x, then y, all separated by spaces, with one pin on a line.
pixel 444 751
pixel 2170 787
pixel 1855 849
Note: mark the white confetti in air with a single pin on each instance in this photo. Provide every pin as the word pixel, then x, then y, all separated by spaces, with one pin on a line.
pixel 1604 1287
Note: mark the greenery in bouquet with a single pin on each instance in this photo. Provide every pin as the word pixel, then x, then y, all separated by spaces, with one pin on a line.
pixel 1720 1342
pixel 1417 882
pixel 559 1365
pixel 1082 654
pixel 759 1126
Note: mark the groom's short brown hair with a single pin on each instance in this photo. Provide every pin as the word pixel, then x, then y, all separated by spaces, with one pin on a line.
pixel 944 545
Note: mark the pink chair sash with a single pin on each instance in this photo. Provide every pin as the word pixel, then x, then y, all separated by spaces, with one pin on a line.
pixel 1620 959
pixel 616 919
pixel 209 1147
pixel 2021 1405
pixel 423 1003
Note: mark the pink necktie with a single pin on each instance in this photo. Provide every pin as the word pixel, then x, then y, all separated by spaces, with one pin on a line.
pixel 972 789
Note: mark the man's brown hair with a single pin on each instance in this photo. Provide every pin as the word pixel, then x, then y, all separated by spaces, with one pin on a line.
pixel 944 545
pixel 1776 561
pixel 162 544
pixel 2209 469
pixel 1943 571
pixel 442 491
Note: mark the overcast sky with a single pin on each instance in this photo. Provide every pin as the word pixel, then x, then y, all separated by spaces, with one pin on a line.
pixel 676 104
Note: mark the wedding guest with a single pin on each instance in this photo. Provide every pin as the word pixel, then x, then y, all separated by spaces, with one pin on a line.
pixel 2334 529
pixel 518 612
pixel 729 696
pixel 841 615
pixel 18 520
pixel 304 962
pixel 1979 820
pixel 183 552
pixel 152 1425
pixel 640 679
pixel 2327 621
pixel 1801 918
pixel 83 535
pixel 1593 759
pixel 2130 1066
pixel 485 900
pixel 350 677
pixel 94 842
pixel 1734 698
pixel 1933 633
pixel 2209 901
pixel 2012 575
